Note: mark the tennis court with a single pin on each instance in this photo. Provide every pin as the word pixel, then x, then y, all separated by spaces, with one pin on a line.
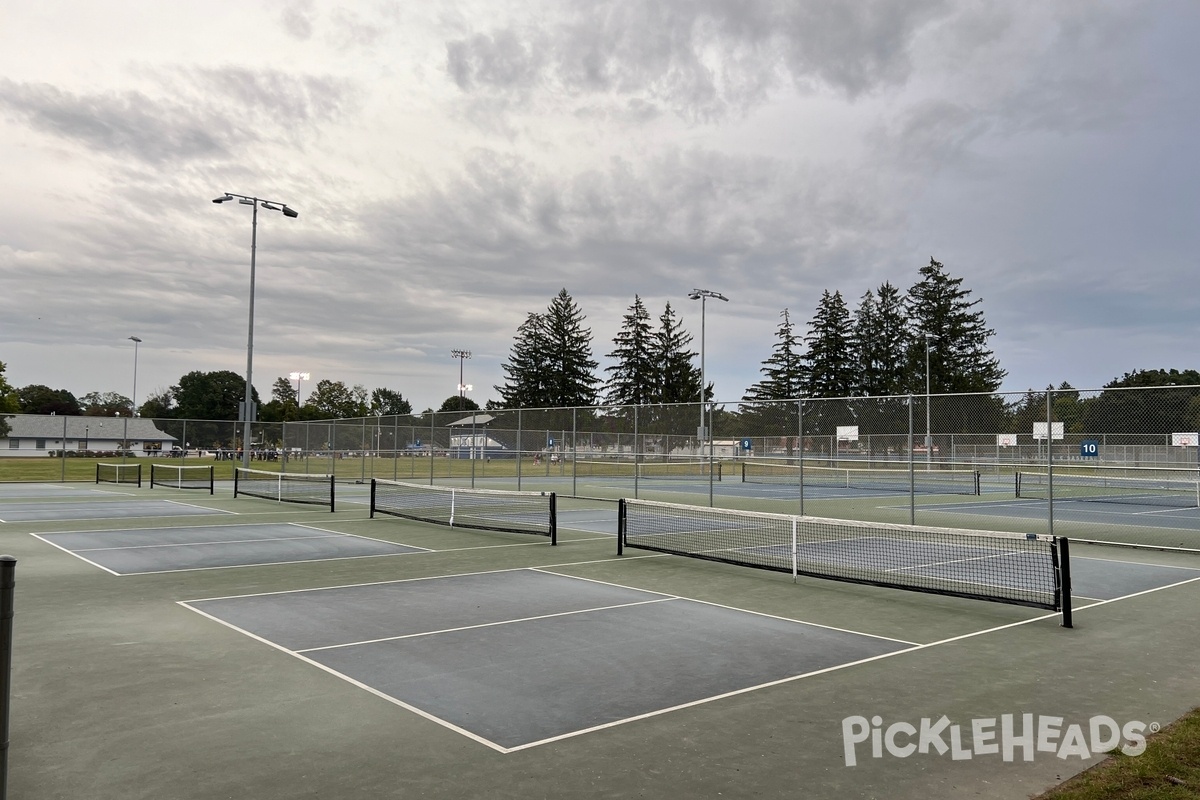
pixel 494 663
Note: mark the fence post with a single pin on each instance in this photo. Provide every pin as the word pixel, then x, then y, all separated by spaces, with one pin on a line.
pixel 8 571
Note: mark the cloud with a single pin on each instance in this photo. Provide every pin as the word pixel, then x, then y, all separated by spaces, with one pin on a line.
pixel 193 114
pixel 704 61
pixel 297 18
pixel 121 124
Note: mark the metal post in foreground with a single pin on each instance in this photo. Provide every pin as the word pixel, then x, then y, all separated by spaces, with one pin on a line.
pixel 8 580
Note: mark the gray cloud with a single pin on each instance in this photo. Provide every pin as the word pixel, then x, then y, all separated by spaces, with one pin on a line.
pixel 703 61
pixel 120 124
pixel 200 114
pixel 297 17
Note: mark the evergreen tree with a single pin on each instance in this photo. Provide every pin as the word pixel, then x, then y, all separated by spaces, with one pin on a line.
pixel 572 371
pixel 880 343
pixel 527 365
pixel 784 370
pixel 551 362
pixel 959 358
pixel 634 379
pixel 678 379
pixel 829 364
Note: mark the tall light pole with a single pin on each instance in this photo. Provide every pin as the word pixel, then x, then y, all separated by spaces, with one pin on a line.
pixel 463 388
pixel 702 295
pixel 298 377
pixel 247 414
pixel 928 416
pixel 136 341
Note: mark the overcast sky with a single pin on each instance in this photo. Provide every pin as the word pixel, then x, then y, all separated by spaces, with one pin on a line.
pixel 456 164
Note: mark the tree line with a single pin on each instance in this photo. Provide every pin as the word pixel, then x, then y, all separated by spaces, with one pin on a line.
pixel 933 339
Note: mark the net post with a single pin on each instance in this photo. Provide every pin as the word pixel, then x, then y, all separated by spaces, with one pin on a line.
pixel 333 491
pixel 235 482
pixel 8 572
pixel 374 484
pixel 795 551
pixel 621 526
pixel 97 472
pixel 212 482
pixel 1064 567
pixel 553 519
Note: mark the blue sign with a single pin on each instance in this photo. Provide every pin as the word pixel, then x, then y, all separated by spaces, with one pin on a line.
pixel 747 444
pixel 1089 448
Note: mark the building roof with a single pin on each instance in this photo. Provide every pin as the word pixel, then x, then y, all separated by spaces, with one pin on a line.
pixel 474 419
pixel 38 426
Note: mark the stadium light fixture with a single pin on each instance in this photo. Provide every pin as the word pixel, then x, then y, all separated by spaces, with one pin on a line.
pixel 136 341
pixel 463 388
pixel 298 377
pixel 247 414
pixel 702 295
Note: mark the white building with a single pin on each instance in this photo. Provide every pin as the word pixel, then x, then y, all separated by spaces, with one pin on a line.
pixel 39 435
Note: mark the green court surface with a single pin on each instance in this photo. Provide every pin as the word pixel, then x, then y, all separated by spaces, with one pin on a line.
pixel 186 682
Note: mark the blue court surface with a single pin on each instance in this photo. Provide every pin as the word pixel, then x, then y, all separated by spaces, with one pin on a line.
pixel 1074 510
pixel 518 658
pixel 145 550
pixel 53 491
pixel 107 509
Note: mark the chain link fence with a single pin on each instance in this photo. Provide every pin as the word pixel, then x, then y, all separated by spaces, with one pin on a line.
pixel 1119 465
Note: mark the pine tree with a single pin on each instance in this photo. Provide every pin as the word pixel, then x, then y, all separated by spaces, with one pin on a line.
pixel 527 365
pixel 959 358
pixel 880 342
pixel 784 370
pixel 679 378
pixel 634 376
pixel 572 371
pixel 551 362
pixel 829 364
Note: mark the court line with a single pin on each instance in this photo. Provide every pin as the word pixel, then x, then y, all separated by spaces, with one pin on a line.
pixel 670 709
pixel 419 712
pixel 488 624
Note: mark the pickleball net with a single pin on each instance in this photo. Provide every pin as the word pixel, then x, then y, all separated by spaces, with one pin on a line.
pixel 286 487
pixel 484 509
pixel 927 481
pixel 1022 569
pixel 176 476
pixel 649 470
pixel 119 473
pixel 1175 492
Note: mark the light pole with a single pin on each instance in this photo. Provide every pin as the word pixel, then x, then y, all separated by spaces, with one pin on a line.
pixel 463 388
pixel 136 341
pixel 248 412
pixel 928 416
pixel 298 377
pixel 702 295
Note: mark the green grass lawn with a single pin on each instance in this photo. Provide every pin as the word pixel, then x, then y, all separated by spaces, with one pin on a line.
pixel 1168 770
